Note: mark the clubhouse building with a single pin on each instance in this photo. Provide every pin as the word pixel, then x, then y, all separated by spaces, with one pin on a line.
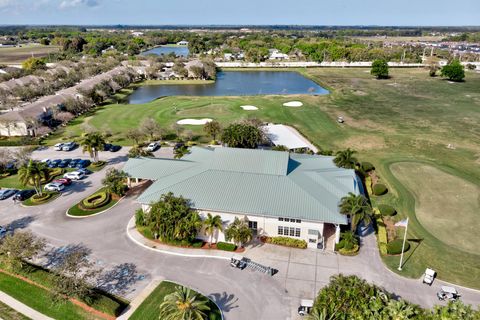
pixel 278 193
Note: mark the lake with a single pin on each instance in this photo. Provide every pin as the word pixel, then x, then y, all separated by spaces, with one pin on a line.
pixel 234 83
pixel 178 50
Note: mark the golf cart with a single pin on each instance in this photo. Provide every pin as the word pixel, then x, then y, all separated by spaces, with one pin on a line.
pixel 429 276
pixel 448 293
pixel 305 307
pixel 340 119
pixel 238 262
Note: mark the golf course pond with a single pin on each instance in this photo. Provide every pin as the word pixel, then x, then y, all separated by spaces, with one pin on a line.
pixel 179 51
pixel 234 83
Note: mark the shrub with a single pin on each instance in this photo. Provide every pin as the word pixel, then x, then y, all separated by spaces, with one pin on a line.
pixel 367 166
pixel 368 183
pixel 96 200
pixel 288 242
pixel 197 243
pixel 139 218
pixel 386 210
pixel 381 234
pixel 41 198
pixel 339 245
pixel 379 189
pixel 395 246
pixel 226 246
pixel 350 252
pixel 98 164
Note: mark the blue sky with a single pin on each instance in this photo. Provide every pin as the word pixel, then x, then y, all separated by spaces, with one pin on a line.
pixel 260 12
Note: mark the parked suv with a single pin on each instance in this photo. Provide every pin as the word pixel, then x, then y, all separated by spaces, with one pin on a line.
pixel 83 164
pixel 153 146
pixel 58 147
pixel 74 175
pixel 54 186
pixel 69 146
pixel 23 195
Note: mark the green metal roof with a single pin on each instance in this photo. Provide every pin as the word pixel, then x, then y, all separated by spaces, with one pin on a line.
pixel 246 181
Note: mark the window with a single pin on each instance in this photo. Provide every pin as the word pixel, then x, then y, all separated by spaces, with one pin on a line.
pixel 292 232
pixel 280 230
pixel 287 220
pixel 298 221
pixel 297 232
pixel 252 225
pixel 280 219
pixel 312 240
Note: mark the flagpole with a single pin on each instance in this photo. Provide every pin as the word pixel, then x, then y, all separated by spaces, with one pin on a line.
pixel 403 247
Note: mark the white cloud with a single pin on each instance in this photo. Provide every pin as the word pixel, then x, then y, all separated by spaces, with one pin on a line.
pixel 75 3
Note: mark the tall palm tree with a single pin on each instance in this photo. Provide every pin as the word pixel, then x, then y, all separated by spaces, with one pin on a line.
pixel 400 310
pixel 358 208
pixel 212 223
pixel 93 143
pixel 33 173
pixel 345 159
pixel 184 304
pixel 180 152
pixel 239 232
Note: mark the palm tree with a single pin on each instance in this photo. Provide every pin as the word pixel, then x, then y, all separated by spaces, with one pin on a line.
pixel 92 143
pixel 33 173
pixel 180 152
pixel 358 208
pixel 349 239
pixel 345 159
pixel 212 223
pixel 239 232
pixel 184 304
pixel 400 310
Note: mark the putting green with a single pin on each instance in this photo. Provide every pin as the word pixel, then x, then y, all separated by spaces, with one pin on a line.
pixel 446 205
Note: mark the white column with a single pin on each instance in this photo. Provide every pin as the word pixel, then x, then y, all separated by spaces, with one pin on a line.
pixel 129 182
pixel 337 233
pixel 136 180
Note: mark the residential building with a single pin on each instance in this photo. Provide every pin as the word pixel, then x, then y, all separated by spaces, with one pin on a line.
pixel 278 193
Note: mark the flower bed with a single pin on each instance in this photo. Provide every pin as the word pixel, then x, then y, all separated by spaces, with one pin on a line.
pixel 286 241
pixel 36 200
pixel 97 202
pixel 349 252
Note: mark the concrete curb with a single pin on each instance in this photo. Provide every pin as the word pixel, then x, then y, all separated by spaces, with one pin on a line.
pixel 131 226
pixel 92 215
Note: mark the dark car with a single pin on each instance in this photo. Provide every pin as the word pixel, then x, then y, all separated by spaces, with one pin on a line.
pixel 23 195
pixel 54 163
pixel 178 145
pixel 73 163
pixel 107 146
pixel 114 148
pixel 84 171
pixel 64 163
pixel 83 164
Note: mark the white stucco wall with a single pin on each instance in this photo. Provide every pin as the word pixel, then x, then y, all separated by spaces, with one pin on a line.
pixel 11 129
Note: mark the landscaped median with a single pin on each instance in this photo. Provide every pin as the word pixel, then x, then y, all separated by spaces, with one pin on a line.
pixel 43 198
pixel 97 203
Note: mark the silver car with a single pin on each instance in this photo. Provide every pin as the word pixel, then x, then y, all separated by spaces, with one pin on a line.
pixel 54 186
pixel 6 193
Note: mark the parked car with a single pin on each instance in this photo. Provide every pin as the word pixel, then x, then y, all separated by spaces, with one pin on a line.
pixel 54 163
pixel 178 145
pixel 305 307
pixel 6 193
pixel 83 164
pixel 85 171
pixel 429 276
pixel 64 163
pixel 69 146
pixel 115 148
pixel 3 232
pixel 238 262
pixel 74 175
pixel 153 146
pixel 64 181
pixel 47 161
pixel 107 146
pixel 74 163
pixel 58 147
pixel 54 186
pixel 448 293
pixel 23 194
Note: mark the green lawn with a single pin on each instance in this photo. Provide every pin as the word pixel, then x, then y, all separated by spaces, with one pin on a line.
pixel 8 313
pixel 41 300
pixel 409 117
pixel 149 309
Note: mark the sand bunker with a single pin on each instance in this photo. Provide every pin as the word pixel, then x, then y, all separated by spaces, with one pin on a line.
pixel 294 104
pixel 249 107
pixel 194 122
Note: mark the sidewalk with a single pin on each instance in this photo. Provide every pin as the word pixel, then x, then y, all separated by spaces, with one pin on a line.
pixel 139 239
pixel 22 308
pixel 139 299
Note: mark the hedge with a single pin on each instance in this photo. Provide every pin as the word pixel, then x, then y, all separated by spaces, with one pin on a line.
pixel 381 233
pixel 368 183
pixel 96 200
pixel 367 166
pixel 197 243
pixel 379 189
pixel 386 210
pixel 41 198
pixel 395 246
pixel 349 252
pixel 289 242
pixel 226 246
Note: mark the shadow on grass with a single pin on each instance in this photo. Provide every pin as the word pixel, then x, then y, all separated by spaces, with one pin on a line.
pixel 417 242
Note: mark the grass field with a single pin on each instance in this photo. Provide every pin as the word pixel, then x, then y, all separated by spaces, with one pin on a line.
pixel 149 309
pixel 16 55
pixel 409 117
pixel 8 313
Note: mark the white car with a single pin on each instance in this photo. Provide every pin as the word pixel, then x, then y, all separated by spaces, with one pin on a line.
pixel 69 146
pixel 153 146
pixel 74 175
pixel 54 186
pixel 58 147
pixel 429 276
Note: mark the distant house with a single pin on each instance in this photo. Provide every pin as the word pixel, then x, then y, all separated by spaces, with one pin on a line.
pixel 182 43
pixel 137 33
pixel 275 54
pixel 278 193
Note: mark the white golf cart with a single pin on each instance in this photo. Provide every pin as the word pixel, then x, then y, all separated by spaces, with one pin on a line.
pixel 429 276
pixel 305 307
pixel 448 293
pixel 238 262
